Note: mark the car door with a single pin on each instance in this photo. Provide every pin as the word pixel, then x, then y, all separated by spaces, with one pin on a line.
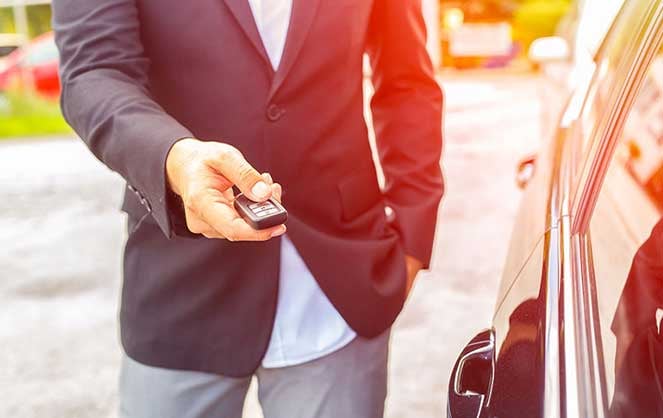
pixel 542 357
pixel 39 67
pixel 544 361
pixel 625 242
pixel 612 332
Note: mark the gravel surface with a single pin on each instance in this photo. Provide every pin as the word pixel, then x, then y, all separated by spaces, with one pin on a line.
pixel 62 236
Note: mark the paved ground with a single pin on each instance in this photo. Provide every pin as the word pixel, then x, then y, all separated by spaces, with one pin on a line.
pixel 62 234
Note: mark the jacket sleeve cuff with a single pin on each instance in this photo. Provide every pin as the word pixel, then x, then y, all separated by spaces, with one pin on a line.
pixel 175 210
pixel 154 193
pixel 416 227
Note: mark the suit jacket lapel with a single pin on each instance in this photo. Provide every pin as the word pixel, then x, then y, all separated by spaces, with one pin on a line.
pixel 303 13
pixel 241 10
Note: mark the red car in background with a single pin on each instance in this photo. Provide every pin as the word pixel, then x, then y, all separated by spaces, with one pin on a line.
pixel 32 68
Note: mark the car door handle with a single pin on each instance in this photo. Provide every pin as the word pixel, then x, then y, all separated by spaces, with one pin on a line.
pixel 471 381
pixel 525 171
pixel 484 353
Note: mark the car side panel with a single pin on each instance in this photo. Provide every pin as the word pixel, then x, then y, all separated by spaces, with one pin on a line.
pixel 519 330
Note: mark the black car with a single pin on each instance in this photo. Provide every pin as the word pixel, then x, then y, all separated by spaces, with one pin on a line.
pixel 577 324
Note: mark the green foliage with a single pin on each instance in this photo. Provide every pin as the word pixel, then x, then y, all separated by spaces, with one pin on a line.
pixel 39 19
pixel 6 20
pixel 537 18
pixel 29 115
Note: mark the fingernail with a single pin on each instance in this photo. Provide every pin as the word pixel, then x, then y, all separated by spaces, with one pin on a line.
pixel 278 232
pixel 260 190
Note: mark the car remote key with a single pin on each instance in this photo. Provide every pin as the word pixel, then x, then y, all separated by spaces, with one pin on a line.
pixel 260 215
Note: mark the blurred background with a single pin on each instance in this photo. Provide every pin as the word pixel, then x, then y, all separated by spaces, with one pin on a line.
pixel 61 230
pixel 463 35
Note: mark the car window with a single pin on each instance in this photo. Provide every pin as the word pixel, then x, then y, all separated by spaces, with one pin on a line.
pixel 595 17
pixel 612 68
pixel 6 50
pixel 618 68
pixel 626 235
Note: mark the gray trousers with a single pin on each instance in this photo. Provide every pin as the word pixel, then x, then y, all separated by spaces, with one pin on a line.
pixel 349 383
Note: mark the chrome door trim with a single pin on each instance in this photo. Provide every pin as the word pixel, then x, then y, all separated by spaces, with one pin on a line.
pixel 583 351
pixel 552 395
pixel 584 368
pixel 586 294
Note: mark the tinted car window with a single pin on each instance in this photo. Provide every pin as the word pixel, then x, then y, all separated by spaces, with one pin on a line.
pixel 595 20
pixel 626 232
pixel 613 69
pixel 617 52
pixel 6 50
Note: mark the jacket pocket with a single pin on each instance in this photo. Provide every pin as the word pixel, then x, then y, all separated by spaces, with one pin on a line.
pixel 359 193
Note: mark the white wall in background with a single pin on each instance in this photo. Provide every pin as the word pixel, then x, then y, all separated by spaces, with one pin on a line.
pixel 431 10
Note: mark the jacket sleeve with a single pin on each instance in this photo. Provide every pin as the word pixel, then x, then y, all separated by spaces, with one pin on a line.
pixel 407 116
pixel 106 98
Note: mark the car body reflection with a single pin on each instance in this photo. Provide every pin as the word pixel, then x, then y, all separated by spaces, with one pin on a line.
pixel 637 329
pixel 577 324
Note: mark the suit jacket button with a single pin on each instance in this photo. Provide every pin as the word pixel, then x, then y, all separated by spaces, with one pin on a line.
pixel 274 112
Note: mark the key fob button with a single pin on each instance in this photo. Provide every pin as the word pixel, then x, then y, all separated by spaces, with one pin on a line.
pixel 260 215
pixel 259 210
pixel 267 212
pixel 260 205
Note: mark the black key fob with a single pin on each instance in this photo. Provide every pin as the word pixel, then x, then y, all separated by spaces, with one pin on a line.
pixel 260 215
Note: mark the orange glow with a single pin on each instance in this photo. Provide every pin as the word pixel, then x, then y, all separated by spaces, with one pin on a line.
pixel 453 18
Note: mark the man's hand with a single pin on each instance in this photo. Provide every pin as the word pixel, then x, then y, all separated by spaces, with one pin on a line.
pixel 413 267
pixel 202 174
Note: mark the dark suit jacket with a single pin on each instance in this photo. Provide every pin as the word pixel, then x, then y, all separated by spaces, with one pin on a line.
pixel 138 75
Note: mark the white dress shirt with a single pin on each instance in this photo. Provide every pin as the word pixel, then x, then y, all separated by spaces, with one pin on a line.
pixel 307 326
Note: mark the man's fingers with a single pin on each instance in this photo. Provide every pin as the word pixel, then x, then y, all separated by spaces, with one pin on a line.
pixel 224 219
pixel 232 165
pixel 268 178
pixel 198 226
pixel 195 224
pixel 212 234
pixel 241 231
pixel 219 216
pixel 277 192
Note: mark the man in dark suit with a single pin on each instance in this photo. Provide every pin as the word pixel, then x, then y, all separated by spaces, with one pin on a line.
pixel 186 100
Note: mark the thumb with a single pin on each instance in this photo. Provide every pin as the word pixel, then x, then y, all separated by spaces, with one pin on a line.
pixel 240 173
